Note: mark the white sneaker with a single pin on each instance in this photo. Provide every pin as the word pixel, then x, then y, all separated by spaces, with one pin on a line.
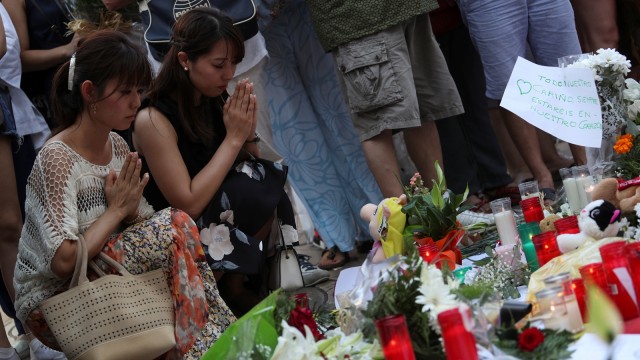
pixel 22 347
pixel 41 352
pixel 311 274
pixel 9 354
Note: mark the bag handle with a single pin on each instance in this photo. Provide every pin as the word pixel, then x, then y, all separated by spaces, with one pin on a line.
pixel 80 272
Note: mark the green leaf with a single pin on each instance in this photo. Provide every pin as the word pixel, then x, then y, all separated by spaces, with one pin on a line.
pixel 604 318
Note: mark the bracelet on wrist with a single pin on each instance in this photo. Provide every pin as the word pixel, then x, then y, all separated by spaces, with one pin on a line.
pixel 135 220
pixel 255 140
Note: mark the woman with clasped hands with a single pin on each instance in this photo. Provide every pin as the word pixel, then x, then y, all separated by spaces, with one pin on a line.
pixel 85 182
pixel 200 147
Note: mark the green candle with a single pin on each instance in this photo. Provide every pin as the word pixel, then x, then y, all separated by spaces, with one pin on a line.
pixel 460 273
pixel 527 231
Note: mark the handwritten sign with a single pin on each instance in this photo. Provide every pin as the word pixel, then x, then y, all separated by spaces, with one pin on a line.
pixel 561 101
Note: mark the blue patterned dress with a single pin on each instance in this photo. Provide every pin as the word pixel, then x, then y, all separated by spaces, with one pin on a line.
pixel 312 128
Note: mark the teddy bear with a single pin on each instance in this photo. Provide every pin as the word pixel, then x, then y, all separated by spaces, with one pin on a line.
pixel 623 196
pixel 598 220
pixel 386 224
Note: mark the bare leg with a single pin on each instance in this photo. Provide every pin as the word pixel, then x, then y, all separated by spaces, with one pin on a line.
pixel 381 158
pixel 596 24
pixel 10 217
pixel 526 140
pixel 515 164
pixel 423 145
pixel 579 154
pixel 10 223
pixel 552 159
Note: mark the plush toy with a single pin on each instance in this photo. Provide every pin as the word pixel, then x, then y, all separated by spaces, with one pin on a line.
pixel 547 223
pixel 598 220
pixel 623 195
pixel 386 224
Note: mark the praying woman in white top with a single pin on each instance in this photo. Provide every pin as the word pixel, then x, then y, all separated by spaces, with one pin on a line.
pixel 85 181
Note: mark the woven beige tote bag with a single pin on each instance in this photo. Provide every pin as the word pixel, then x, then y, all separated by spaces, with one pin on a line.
pixel 114 317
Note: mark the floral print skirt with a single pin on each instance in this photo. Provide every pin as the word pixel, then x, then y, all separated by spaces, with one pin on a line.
pixel 169 240
pixel 250 195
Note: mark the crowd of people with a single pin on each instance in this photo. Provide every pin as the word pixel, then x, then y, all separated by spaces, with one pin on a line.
pixel 176 155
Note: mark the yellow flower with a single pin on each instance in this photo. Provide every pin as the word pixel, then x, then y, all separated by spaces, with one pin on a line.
pixel 623 144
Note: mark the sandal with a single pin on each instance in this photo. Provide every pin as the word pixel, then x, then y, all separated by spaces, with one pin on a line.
pixel 327 261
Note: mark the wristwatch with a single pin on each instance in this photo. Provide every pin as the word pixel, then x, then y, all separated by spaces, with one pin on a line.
pixel 254 140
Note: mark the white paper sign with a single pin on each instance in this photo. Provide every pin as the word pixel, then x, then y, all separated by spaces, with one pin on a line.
pixel 561 101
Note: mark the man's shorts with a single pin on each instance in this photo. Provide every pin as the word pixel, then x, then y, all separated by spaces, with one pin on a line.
pixel 397 78
pixel 501 30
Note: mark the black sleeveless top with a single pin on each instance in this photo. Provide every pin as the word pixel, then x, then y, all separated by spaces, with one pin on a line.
pixel 195 154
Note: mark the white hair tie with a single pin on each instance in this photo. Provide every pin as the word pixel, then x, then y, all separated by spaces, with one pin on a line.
pixel 72 68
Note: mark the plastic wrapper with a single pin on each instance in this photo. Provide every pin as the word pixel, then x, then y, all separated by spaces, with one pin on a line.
pixel 253 336
pixel 570 262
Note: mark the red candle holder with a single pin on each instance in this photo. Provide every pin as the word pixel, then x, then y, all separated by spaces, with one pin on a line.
pixel 532 209
pixel 567 225
pixel 428 252
pixel 617 272
pixel 459 342
pixel 633 258
pixel 577 285
pixel 594 274
pixel 394 338
pixel 546 246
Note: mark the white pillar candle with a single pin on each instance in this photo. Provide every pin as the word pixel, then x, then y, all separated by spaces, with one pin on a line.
pixel 506 225
pixel 581 182
pixel 573 311
pixel 573 197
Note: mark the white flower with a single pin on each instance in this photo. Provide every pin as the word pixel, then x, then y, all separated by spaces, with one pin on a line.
pixel 227 216
pixel 338 345
pixel 633 110
pixel 435 295
pixel 292 344
pixel 632 92
pixel 216 237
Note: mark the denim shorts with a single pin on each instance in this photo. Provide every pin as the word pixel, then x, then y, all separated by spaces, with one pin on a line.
pixel 7 121
pixel 396 78
pixel 501 30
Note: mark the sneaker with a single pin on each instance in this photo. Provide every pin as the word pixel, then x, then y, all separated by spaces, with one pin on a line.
pixel 41 352
pixel 311 274
pixel 22 347
pixel 9 354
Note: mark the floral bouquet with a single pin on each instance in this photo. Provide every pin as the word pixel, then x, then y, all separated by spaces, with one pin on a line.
pixel 609 70
pixel 432 216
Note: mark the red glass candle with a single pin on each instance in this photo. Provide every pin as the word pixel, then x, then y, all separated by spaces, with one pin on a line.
pixel 394 338
pixel 567 225
pixel 618 274
pixel 532 209
pixel 633 258
pixel 459 343
pixel 594 274
pixel 428 252
pixel 577 285
pixel 546 246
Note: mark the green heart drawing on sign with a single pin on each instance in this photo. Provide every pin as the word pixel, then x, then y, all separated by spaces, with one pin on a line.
pixel 524 87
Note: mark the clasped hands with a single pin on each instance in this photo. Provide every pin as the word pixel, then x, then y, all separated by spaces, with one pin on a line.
pixel 124 191
pixel 240 112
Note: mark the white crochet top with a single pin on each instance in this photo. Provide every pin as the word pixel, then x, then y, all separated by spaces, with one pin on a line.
pixel 65 195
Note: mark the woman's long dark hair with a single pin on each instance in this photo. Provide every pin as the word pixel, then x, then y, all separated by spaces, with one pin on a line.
pixel 102 56
pixel 195 33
